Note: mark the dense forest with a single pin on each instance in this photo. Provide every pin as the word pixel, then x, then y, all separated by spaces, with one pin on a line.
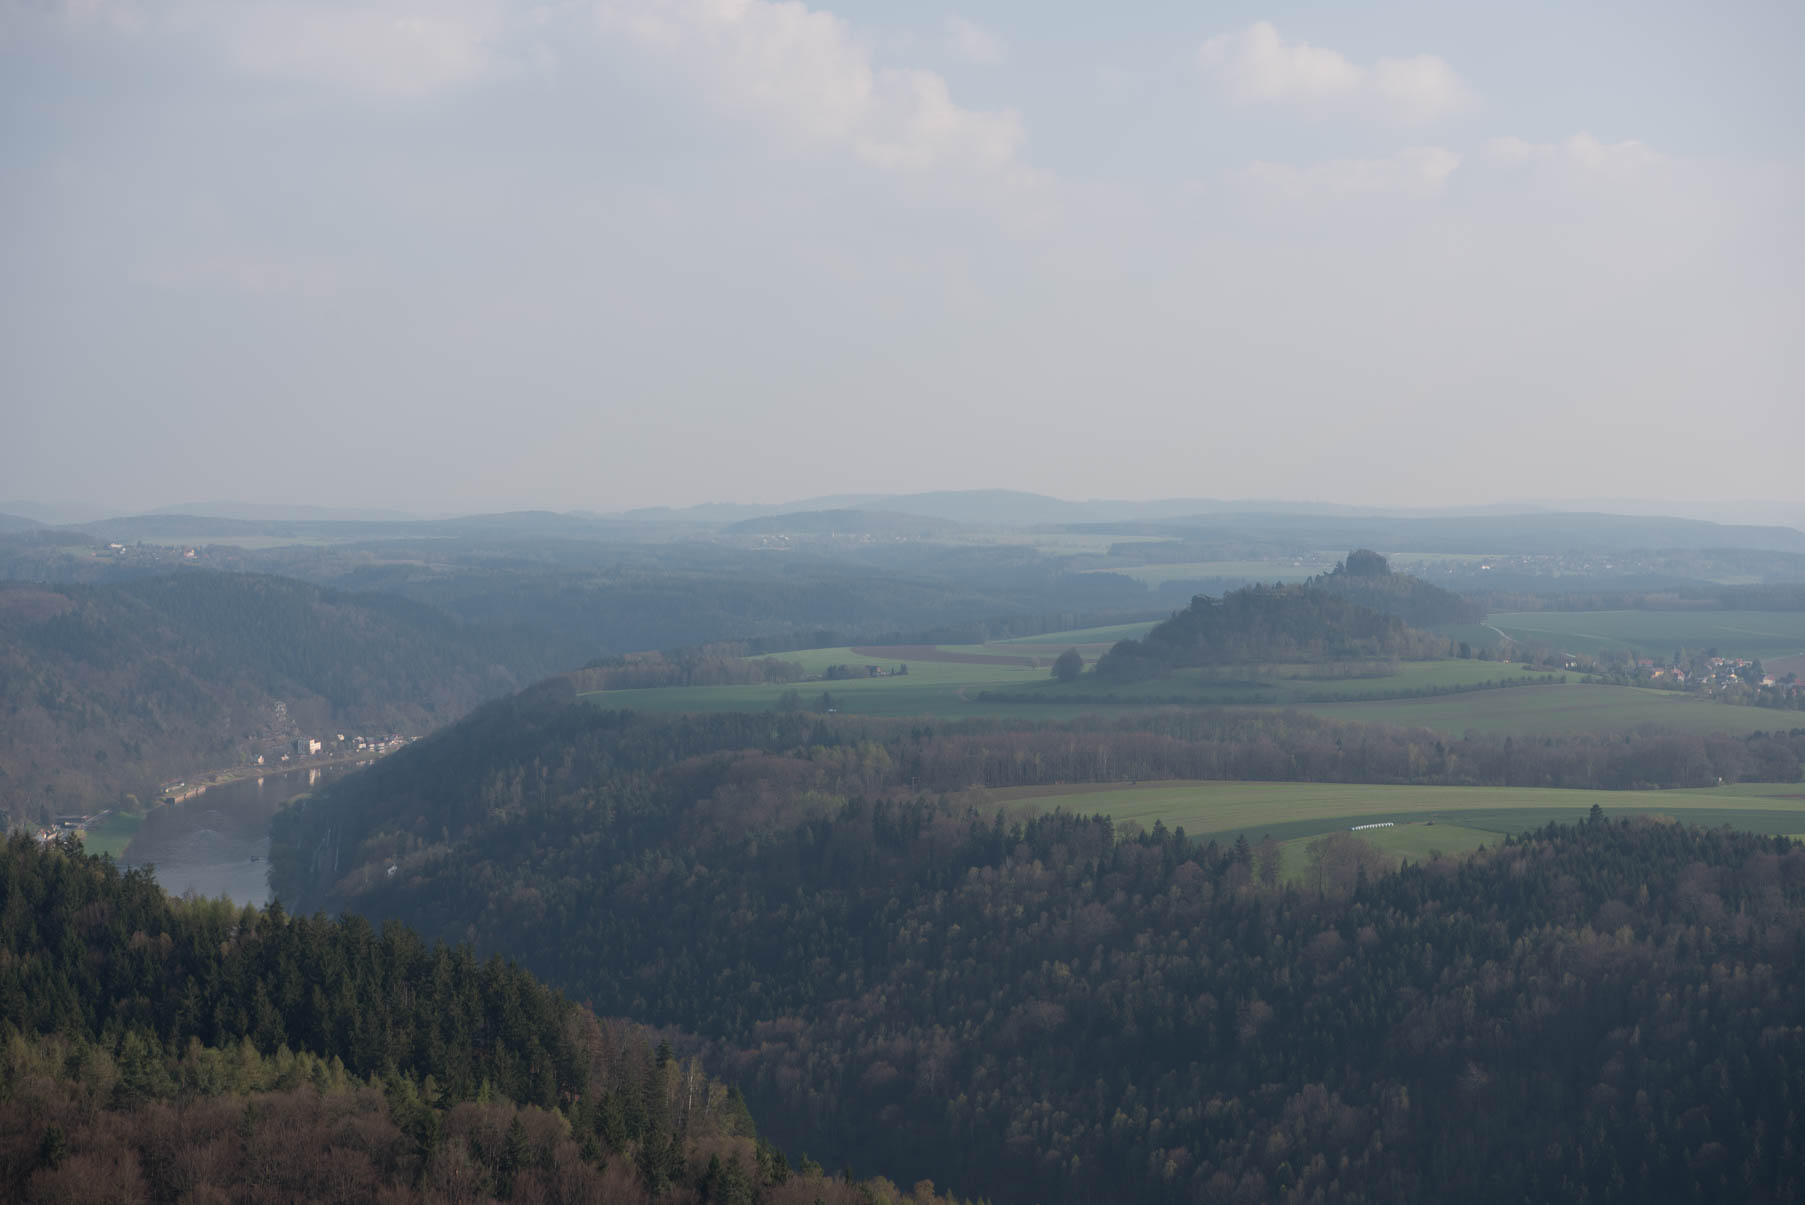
pixel 106 690
pixel 1366 578
pixel 702 665
pixel 1263 624
pixel 157 1050
pixel 1052 1008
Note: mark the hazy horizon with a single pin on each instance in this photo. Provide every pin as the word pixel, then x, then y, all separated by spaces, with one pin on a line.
pixel 478 255
pixel 1725 511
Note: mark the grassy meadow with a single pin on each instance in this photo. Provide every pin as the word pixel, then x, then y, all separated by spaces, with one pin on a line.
pixel 1659 634
pixel 112 833
pixel 1058 642
pixel 1448 820
pixel 1574 707
pixel 1286 684
pixel 1010 678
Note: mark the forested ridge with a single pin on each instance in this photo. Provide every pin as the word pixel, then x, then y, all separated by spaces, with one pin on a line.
pixel 1054 1009
pixel 159 1049
pixel 623 598
pixel 106 690
pixel 537 753
pixel 518 760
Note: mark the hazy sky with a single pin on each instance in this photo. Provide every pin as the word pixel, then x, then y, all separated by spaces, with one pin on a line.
pixel 475 254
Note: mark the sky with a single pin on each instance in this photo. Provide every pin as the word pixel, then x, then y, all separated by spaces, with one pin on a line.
pixel 468 255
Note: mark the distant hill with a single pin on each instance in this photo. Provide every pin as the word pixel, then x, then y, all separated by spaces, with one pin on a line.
pixel 1265 624
pixel 1491 528
pixel 1523 533
pixel 227 509
pixel 1366 578
pixel 17 523
pixel 847 521
pixel 980 508
pixel 1297 525
pixel 176 528
pixel 106 690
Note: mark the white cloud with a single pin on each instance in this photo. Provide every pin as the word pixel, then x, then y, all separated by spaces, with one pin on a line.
pixel 802 73
pixel 1257 66
pixel 807 74
pixel 1417 172
pixel 385 47
pixel 972 42
pixel 1581 149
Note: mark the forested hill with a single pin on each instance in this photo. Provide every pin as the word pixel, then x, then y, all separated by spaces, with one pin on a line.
pixel 1366 578
pixel 106 690
pixel 1055 1009
pixel 1267 624
pixel 651 778
pixel 162 1050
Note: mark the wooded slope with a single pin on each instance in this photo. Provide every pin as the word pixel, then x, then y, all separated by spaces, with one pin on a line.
pixel 107 690
pixel 1053 1009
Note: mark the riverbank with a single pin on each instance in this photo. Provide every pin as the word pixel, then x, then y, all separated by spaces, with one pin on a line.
pixel 220 778
pixel 216 842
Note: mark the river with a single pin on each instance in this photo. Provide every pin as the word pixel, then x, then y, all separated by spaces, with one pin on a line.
pixel 217 843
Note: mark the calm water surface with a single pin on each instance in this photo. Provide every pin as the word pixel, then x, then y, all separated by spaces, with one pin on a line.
pixel 218 842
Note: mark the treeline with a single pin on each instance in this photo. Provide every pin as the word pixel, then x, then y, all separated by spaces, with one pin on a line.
pixel 106 690
pixel 702 665
pixel 154 1050
pixel 1366 578
pixel 1289 696
pixel 1778 597
pixel 1058 1009
pixel 1266 623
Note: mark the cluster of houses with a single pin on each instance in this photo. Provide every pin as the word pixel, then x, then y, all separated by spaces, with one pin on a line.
pixel 1732 679
pixel 340 744
pixel 1708 673
pixel 62 826
pixel 178 789
pixel 150 554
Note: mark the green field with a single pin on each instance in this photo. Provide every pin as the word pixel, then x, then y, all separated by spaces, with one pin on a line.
pixel 1451 820
pixel 940 688
pixel 1289 683
pixel 1055 543
pixel 1572 708
pixel 951 688
pixel 1659 634
pixel 1057 641
pixel 1417 841
pixel 1476 634
pixel 112 834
